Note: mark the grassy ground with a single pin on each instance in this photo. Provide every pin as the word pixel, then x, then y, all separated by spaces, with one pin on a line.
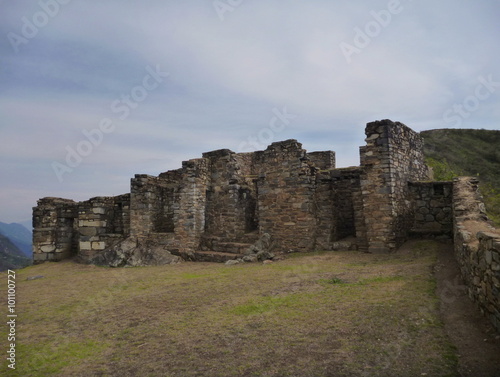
pixel 321 314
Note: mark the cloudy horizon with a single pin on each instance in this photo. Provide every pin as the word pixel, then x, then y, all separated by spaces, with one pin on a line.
pixel 92 93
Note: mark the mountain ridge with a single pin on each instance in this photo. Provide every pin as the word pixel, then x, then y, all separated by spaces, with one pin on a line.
pixel 11 257
pixel 19 235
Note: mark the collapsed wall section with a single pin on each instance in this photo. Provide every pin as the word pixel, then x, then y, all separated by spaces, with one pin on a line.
pixel 102 222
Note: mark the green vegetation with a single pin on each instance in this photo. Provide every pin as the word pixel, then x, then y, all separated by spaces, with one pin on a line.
pixel 461 152
pixel 10 255
pixel 320 314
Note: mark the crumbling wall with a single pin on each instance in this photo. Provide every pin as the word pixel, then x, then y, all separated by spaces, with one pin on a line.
pixel 231 195
pixel 285 189
pixel 102 222
pixel 170 209
pixel 326 220
pixel 338 207
pixel 154 201
pixel 433 215
pixel 225 201
pixel 346 187
pixel 54 236
pixel 193 199
pixel 477 248
pixel 392 157
pixel 324 160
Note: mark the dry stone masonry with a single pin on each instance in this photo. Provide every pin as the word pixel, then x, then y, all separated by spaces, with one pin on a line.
pixel 477 248
pixel 243 207
pixel 218 206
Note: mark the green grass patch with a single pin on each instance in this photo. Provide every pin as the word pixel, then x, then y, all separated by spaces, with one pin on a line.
pixel 334 280
pixel 52 358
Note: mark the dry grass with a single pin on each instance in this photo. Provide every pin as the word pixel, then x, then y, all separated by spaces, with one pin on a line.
pixel 321 314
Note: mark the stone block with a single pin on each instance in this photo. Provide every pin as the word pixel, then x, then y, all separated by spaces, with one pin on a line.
pixel 39 257
pixel 486 235
pixel 488 256
pixel 98 245
pixel 85 246
pixel 48 248
pixel 88 231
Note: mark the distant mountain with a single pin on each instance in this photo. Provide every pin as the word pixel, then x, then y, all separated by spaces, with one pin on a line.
pixel 10 255
pixel 28 224
pixel 19 235
pixel 455 152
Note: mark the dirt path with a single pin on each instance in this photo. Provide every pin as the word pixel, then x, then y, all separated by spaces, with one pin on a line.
pixel 478 345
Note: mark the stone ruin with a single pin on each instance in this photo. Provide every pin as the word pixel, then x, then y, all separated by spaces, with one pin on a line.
pixel 219 207
pixel 232 207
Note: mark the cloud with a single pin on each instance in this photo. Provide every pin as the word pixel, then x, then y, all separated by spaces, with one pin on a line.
pixel 226 78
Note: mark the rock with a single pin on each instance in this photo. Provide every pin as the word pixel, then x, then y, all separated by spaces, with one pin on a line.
pixel 250 258
pixel 342 245
pixel 260 250
pixel 35 277
pixel 267 261
pixel 130 253
pixel 232 262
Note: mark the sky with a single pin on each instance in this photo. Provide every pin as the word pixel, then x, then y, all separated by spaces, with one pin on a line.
pixel 94 92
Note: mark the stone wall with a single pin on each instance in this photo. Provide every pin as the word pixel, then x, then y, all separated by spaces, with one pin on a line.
pixel 193 199
pixel 392 157
pixel 286 186
pixel 432 206
pixel 231 195
pixel 54 229
pixel 338 208
pixel 154 206
pixel 226 201
pixel 102 222
pixel 346 186
pixel 477 248
pixel 322 160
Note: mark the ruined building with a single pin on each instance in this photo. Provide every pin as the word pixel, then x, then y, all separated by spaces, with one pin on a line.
pixel 226 205
pixel 215 207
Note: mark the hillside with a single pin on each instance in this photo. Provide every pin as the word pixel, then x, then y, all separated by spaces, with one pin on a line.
pixel 454 152
pixel 19 236
pixel 10 255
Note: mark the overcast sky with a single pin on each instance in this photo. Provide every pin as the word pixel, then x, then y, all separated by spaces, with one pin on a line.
pixel 93 92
